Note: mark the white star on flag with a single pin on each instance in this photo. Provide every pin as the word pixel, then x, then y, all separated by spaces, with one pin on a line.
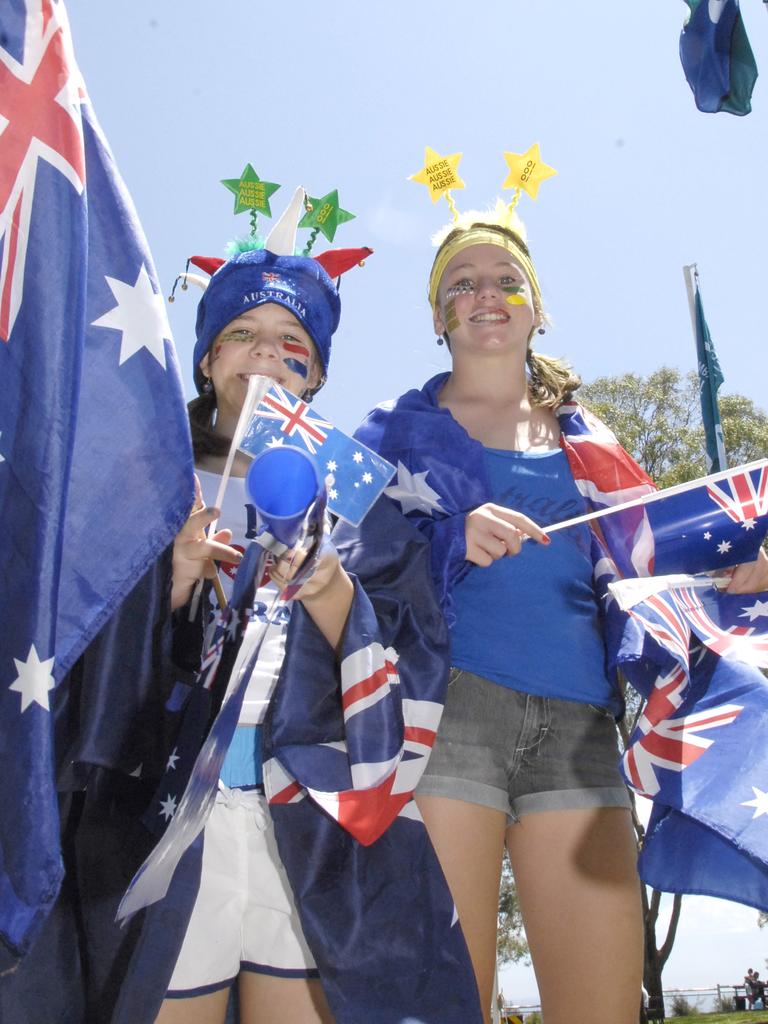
pixel 140 315
pixel 707 535
pixel 413 492
pixel 333 495
pixel 331 466
pixel 275 442
pixel 724 546
pixel 367 478
pixel 748 524
pixel 753 612
pixel 357 457
pixel 34 680
pixel 760 803
pixel 168 807
pixel 172 759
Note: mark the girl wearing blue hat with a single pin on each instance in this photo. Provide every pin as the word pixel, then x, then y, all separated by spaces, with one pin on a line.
pixel 313 820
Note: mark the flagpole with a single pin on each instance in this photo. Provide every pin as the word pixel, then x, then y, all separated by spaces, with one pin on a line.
pixel 258 386
pixel 691 273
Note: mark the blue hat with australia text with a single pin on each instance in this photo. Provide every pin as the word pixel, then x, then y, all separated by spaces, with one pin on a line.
pixel 249 279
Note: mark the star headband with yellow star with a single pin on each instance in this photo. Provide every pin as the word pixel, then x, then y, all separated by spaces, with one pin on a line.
pixel 440 175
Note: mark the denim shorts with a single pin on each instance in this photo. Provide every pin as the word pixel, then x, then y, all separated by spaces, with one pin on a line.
pixel 519 753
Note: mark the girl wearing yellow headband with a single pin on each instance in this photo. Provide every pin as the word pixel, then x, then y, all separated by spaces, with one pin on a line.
pixel 526 755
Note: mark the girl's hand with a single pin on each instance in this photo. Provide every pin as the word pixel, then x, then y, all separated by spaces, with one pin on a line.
pixel 750 577
pixel 287 567
pixel 194 553
pixel 326 595
pixel 493 531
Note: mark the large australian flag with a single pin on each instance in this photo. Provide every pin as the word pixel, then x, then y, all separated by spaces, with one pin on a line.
pixel 95 460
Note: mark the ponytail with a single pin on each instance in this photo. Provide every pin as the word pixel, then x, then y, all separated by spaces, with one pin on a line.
pixel 552 381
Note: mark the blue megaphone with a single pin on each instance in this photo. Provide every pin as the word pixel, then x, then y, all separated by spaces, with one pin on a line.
pixel 288 495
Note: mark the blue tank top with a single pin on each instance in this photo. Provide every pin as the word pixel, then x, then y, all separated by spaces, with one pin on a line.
pixel 531 622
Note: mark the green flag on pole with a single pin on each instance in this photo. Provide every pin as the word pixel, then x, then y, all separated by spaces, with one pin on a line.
pixel 710 379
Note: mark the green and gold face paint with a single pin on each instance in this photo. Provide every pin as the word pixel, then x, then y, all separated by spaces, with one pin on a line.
pixel 515 294
pixel 451 319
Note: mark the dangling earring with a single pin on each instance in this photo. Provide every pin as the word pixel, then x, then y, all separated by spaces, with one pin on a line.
pixel 440 340
pixel 541 330
pixel 207 386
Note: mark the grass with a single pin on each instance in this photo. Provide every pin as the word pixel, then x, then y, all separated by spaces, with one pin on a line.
pixel 745 1017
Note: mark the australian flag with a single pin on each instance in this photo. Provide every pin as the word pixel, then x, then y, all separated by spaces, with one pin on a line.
pixel 357 474
pixel 702 526
pixel 95 460
pixel 699 751
pixel 713 523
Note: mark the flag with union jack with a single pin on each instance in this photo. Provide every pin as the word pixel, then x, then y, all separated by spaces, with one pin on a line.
pixel 356 475
pixel 95 459
pixel 709 524
pixel 693 652
pixel 712 523
pixel 699 752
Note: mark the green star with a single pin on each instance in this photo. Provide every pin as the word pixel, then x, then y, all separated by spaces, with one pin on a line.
pixel 251 193
pixel 326 215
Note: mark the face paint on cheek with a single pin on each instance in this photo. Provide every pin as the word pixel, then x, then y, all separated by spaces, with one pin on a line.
pixel 515 296
pixel 465 288
pixel 298 358
pixel 296 348
pixel 217 349
pixel 296 366
pixel 451 319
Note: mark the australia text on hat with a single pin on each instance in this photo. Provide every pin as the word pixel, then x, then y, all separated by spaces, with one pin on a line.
pixel 266 294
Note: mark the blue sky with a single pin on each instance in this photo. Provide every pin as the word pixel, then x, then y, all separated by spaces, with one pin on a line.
pixel 348 95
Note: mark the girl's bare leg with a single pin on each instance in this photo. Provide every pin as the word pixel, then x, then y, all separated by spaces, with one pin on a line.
pixel 579 893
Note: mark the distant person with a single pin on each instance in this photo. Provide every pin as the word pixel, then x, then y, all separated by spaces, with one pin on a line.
pixel 758 992
pixel 500 1006
pixel 748 981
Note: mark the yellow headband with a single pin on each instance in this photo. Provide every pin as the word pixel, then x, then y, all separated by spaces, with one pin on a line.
pixel 484 234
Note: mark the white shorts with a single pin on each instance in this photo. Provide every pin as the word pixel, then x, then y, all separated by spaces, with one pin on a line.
pixel 244 918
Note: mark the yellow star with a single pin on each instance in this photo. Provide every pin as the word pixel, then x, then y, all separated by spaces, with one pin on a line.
pixel 439 173
pixel 527 170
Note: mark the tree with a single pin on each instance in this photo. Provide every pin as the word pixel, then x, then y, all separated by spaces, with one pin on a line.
pixel 511 945
pixel 658 420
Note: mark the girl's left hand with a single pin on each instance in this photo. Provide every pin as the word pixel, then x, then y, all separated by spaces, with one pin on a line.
pixel 751 577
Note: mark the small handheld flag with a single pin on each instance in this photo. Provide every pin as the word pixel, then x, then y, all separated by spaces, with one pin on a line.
pixel 703 525
pixel 358 474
